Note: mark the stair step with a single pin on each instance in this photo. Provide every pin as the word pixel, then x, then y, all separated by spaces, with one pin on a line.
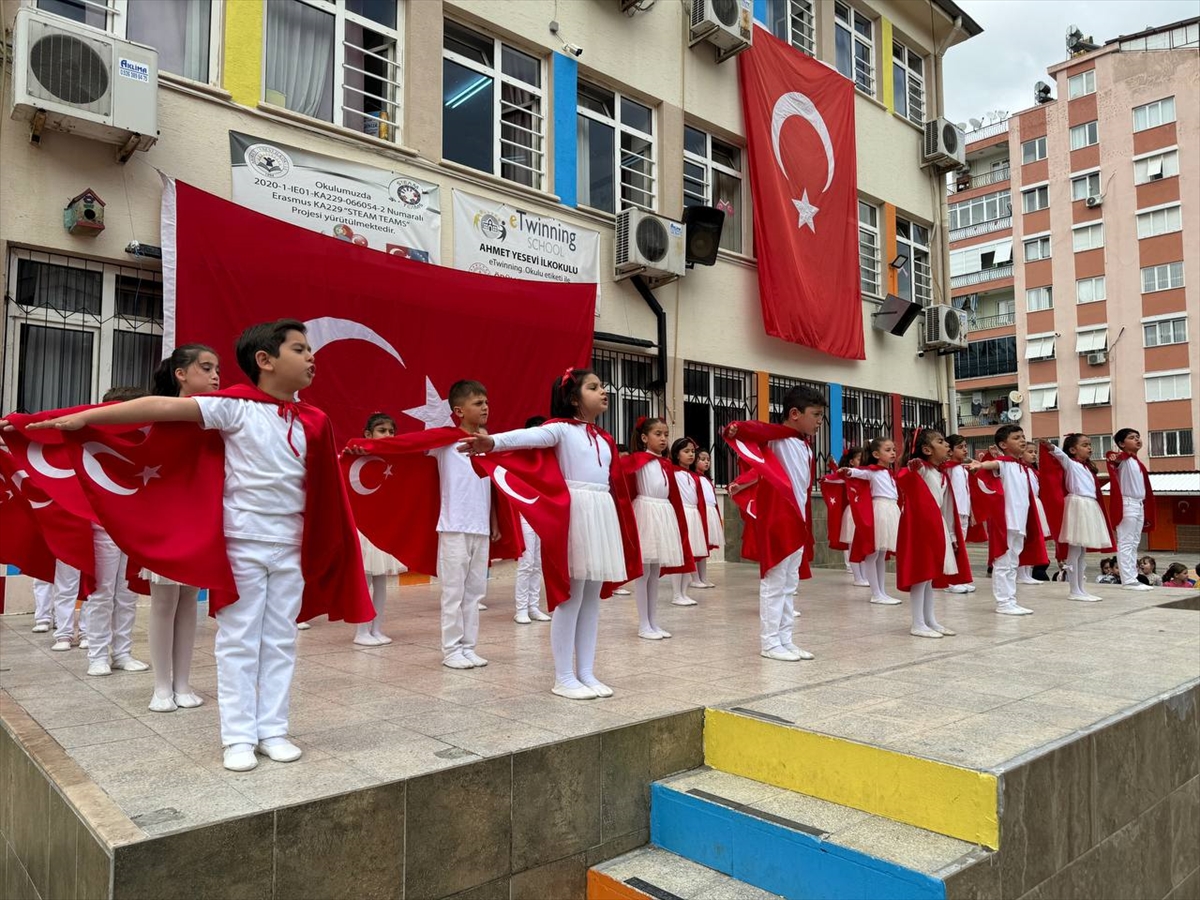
pixel 796 845
pixel 651 873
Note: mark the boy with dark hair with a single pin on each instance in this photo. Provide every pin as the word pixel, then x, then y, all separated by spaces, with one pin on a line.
pixel 1131 503
pixel 956 472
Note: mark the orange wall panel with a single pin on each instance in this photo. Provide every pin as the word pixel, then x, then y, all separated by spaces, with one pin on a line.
pixel 1033 123
pixel 1038 322
pixel 1153 138
pixel 1039 273
pixel 1088 264
pixel 1163 359
pixel 1162 538
pixel 1035 222
pixel 1087 370
pixel 1155 193
pixel 1042 425
pixel 1161 302
pixel 1169 414
pixel 1097 420
pixel 1033 172
pixel 1043 371
pixel 1164 248
pixel 1081 212
pixel 1091 313
pixel 1085 158
pixel 1082 109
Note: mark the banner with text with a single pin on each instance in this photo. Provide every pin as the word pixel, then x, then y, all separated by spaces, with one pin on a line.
pixel 358 204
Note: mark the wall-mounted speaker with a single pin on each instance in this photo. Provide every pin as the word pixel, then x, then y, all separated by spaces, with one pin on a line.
pixel 895 315
pixel 703 224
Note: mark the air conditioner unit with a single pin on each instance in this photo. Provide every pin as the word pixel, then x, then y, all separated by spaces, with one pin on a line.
pixel 649 245
pixel 726 24
pixel 1093 202
pixel 81 80
pixel 945 328
pixel 1098 358
pixel 944 145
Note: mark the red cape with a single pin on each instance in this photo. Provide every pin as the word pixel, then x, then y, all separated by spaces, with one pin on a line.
pixel 745 499
pixel 987 504
pixel 921 541
pixel 833 492
pixel 704 511
pixel 1116 506
pixel 700 505
pixel 858 495
pixel 1054 499
pixel 782 527
pixel 21 541
pixel 630 466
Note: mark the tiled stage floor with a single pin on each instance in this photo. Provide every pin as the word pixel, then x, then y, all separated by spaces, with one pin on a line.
pixel 1000 689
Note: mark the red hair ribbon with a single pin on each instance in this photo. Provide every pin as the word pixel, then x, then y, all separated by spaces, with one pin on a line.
pixel 912 451
pixel 641 420
pixel 567 375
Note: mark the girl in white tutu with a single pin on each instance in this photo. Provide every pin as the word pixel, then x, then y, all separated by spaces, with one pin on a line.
pixel 711 511
pixel 881 455
pixel 377 565
pixel 683 455
pixel 1083 522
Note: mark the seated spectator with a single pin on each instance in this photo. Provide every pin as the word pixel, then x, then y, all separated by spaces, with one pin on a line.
pixel 1147 572
pixel 1177 576
pixel 1109 573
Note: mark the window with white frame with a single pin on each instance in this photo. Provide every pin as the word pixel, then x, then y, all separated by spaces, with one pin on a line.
pixel 1095 392
pixel 616 165
pixel 1089 290
pixel 915 277
pixel 76 328
pixel 1101 444
pixel 794 22
pixel 1177 442
pixel 854 37
pixel 980 209
pixel 1085 186
pixel 1162 278
pixel 1087 237
pixel 1091 340
pixel 1035 199
pixel 868 248
pixel 908 75
pixel 184 32
pixel 981 257
pixel 1156 167
pixel 1159 221
pixel 493 105
pixel 1033 150
pixel 712 176
pixel 1151 115
pixel 1039 346
pixel 1037 248
pixel 1161 330
pixel 1043 397
pixel 1082 84
pixel 1039 298
pixel 1085 135
pixel 1173 385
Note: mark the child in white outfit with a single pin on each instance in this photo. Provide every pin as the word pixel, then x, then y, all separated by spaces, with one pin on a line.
pixel 529 567
pixel 881 454
pixel 1083 523
pixel 683 455
pixel 711 511
pixel 377 565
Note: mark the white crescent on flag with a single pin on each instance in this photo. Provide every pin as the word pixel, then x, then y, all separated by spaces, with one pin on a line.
pixel 750 510
pixel 501 476
pixel 328 329
pixel 746 451
pixel 355 476
pixel 95 471
pixel 37 459
pixel 19 477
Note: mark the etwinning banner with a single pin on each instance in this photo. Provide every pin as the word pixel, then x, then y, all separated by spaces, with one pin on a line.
pixel 493 238
pixel 359 204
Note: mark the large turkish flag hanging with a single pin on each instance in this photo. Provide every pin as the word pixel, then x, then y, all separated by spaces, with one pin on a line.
pixel 803 175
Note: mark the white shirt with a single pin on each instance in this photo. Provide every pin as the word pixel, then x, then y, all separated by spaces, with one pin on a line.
pixel 710 493
pixel 466 498
pixel 1078 477
pixel 581 457
pixel 883 485
pixel 652 482
pixel 687 488
pixel 1133 485
pixel 796 458
pixel 264 476
pixel 938 483
pixel 1016 495
pixel 962 493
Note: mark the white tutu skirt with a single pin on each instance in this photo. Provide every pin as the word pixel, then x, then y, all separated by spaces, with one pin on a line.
pixel 887 522
pixel 716 530
pixel 847 525
pixel 375 561
pixel 155 579
pixel 1042 520
pixel 1083 523
pixel 695 531
pixel 595 551
pixel 658 531
pixel 949 563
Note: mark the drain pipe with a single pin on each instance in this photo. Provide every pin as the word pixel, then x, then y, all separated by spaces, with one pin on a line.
pixel 643 288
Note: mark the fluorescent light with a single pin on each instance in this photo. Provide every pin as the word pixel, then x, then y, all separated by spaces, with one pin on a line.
pixel 468 92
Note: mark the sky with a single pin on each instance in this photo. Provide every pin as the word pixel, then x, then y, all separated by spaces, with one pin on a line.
pixel 997 69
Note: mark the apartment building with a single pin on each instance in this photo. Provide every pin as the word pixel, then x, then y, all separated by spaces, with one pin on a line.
pixel 482 96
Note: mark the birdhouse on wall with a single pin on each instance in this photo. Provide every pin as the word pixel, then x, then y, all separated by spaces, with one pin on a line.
pixel 84 215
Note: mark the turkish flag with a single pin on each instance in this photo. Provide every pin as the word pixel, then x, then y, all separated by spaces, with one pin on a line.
pixel 21 540
pixel 804 179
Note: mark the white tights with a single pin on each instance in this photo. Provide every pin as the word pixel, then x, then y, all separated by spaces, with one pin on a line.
pixel 645 591
pixel 172 637
pixel 1076 570
pixel 701 576
pixel 379 600
pixel 574 627
pixel 678 588
pixel 875 568
pixel 921 596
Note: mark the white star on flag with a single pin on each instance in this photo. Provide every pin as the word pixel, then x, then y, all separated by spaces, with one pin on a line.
pixel 807 211
pixel 147 473
pixel 436 411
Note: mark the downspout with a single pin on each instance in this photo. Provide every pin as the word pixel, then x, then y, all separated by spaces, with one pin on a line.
pixel 660 383
pixel 938 188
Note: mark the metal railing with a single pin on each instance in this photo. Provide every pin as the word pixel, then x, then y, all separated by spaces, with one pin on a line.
pixel 978 323
pixel 990 420
pixel 993 274
pixel 996 176
pixel 987 131
pixel 959 234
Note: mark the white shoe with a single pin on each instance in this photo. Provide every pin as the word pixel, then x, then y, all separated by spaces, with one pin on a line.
pixel 41 627
pixel 367 640
pixel 925 633
pixel 83 644
pixel 521 618
pixel 583 692
pixel 188 700
pixel 1137 586
pixel 537 615
pixel 620 592
pixel 601 689
pixel 1011 609
pixel 662 632
pixel 803 654
pixel 1083 598
pixel 861 583
pixel 885 601
pixel 59 646
pixel 129 664
pixel 683 601
pixel 303 626
pixel 457 661
pixel 781 654
pixel 957 589
pixel 279 749
pixel 383 639
pixel 240 758
pixel 163 704
pixel 1032 581
pixel 99 667
pixel 944 631
pixel 481 607
pixel 650 635
pixel 475 659
pixel 970 587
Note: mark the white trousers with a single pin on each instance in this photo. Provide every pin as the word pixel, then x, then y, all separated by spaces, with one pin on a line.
pixel 964 522
pixel 1004 570
pixel 66 592
pixel 529 570
pixel 256 641
pixel 111 609
pixel 43 601
pixel 462 570
pixel 1129 535
pixel 776 606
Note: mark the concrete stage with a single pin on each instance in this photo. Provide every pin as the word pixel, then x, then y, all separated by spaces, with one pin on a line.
pixel 1025 755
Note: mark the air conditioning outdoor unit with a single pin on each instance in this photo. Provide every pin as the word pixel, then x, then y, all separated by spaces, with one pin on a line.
pixel 81 80
pixel 944 146
pixel 1093 202
pixel 649 245
pixel 726 24
pixel 1098 358
pixel 945 328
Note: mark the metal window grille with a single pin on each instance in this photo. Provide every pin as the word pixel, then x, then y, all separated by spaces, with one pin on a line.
pixel 713 397
pixel 777 387
pixel 916 414
pixel 865 415
pixel 628 377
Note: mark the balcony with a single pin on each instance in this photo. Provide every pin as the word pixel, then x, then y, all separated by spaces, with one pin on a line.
pixel 995 273
pixel 984 409
pixel 987 131
pixel 983 421
pixel 985 359
pixel 979 323
pixel 995 176
pixel 959 234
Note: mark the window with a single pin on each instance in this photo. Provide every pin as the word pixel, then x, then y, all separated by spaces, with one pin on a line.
pixel 1082 84
pixel 1039 346
pixel 915 278
pixel 1088 237
pixel 995 356
pixel 616 135
pixel 793 21
pixel 628 377
pixel 1085 186
pixel 1160 112
pixel 1039 298
pixel 1085 135
pixel 1033 150
pixel 1172 443
pixel 713 397
pixel 503 131
pixel 854 35
pixel 1101 444
pixel 1095 393
pixel 980 258
pixel 1038 198
pixel 1091 340
pixel 1043 398
pixel 868 248
pixel 908 74
pixel 1089 290
pixel 712 176
pixel 1156 167
pixel 1037 248
pixel 1159 221
pixel 1174 385
pixel 1162 278
pixel 1184 36
pixel 980 210
pixel 1158 332
pixel 181 31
